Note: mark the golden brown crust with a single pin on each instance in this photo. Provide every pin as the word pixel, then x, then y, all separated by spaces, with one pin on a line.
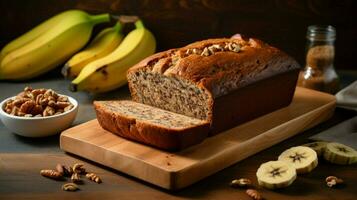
pixel 253 101
pixel 144 132
pixel 151 60
pixel 224 70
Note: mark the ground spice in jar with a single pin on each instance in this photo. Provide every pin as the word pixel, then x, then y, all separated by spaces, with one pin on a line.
pixel 319 73
pixel 319 57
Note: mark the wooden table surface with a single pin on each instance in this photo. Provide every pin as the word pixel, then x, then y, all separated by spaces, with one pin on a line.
pixel 21 159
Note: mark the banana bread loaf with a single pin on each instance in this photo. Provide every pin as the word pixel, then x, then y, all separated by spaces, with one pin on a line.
pixel 149 125
pixel 223 81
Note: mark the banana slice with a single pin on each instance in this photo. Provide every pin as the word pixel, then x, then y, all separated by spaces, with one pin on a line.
pixel 303 159
pixel 340 154
pixel 319 147
pixel 276 174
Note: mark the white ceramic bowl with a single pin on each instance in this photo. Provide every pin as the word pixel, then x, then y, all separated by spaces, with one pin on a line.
pixel 38 126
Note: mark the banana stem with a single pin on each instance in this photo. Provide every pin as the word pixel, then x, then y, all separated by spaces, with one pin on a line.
pixel 118 27
pixel 139 24
pixel 97 19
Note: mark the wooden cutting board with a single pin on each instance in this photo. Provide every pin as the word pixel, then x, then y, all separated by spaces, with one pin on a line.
pixel 177 170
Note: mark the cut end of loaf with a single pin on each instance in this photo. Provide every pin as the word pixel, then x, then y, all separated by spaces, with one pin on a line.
pixel 170 93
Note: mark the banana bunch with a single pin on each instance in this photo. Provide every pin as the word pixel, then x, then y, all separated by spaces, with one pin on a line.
pixel 47 45
pixel 103 44
pixel 109 72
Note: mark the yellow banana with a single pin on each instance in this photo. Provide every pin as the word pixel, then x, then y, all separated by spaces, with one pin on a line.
pixel 103 44
pixel 50 48
pixel 35 32
pixel 109 72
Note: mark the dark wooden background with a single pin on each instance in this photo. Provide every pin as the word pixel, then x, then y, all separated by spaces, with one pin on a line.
pixel 175 23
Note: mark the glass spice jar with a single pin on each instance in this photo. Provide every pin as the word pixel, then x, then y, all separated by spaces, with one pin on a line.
pixel 319 73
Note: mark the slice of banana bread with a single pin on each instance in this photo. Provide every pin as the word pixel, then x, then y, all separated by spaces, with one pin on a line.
pixel 149 125
pixel 224 81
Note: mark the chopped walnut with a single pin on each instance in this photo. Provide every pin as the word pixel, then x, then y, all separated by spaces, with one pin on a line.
pixel 332 181
pixel 62 99
pixel 48 111
pixel 242 182
pixel 205 52
pixel 27 106
pixel 212 49
pixel 254 194
pixel 37 103
pixel 232 47
pixel 196 51
pixel 215 48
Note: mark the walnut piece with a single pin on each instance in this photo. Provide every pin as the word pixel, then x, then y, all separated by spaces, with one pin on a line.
pixel 50 173
pixel 242 182
pixel 27 106
pixel 70 187
pixel 76 178
pixel 332 181
pixel 48 111
pixel 78 168
pixel 254 194
pixel 93 177
pixel 205 52
pixel 61 169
